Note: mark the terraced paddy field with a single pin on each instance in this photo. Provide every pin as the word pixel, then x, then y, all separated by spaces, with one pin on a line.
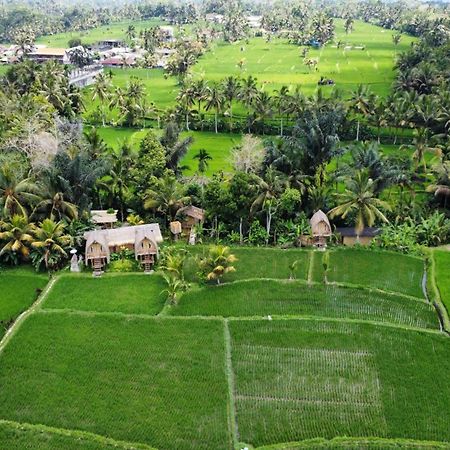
pixel 344 359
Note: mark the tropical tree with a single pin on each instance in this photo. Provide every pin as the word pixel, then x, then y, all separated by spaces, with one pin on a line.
pixel 230 90
pixel 16 194
pixel 362 103
pixel 217 263
pixel 167 197
pixel 175 147
pixel 51 243
pixel 282 102
pixel 359 202
pixel 174 286
pixel 214 100
pixel 202 157
pixel 17 236
pixel 247 94
pixel 101 91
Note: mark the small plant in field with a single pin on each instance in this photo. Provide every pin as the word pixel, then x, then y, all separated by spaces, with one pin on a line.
pixel 326 266
pixel 218 262
pixel 172 262
pixel 174 288
pixel 292 268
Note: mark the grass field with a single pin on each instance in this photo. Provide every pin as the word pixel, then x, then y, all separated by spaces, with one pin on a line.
pixel 129 294
pixel 298 380
pixel 388 271
pixel 279 63
pixel 219 146
pixel 268 297
pixel 115 30
pixel 442 260
pixel 19 289
pixel 159 382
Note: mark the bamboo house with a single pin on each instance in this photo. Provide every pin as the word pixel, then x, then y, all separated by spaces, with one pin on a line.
pixel 320 229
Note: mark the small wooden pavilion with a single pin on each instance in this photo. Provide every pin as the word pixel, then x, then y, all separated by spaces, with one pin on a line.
pixel 320 229
pixel 104 219
pixel 142 239
pixel 190 216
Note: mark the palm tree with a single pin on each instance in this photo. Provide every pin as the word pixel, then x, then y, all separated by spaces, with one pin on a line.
pixel 18 235
pixel 230 89
pixel 217 263
pixel 16 194
pixel 441 188
pixel 186 99
pixel 167 198
pixel 282 103
pixel 359 200
pixel 203 157
pixel 52 242
pixel 362 104
pixel 101 90
pixel 247 94
pixel 174 287
pixel 131 32
pixel 214 100
pixel 262 107
pixel 55 205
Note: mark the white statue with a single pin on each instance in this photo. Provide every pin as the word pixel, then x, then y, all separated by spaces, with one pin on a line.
pixel 192 237
pixel 74 266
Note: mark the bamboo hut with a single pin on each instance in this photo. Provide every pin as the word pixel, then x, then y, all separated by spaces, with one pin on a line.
pixel 320 229
pixel 190 217
pixel 104 219
pixel 142 239
pixel 349 236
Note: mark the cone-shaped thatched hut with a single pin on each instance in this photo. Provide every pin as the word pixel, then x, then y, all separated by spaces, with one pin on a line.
pixel 320 228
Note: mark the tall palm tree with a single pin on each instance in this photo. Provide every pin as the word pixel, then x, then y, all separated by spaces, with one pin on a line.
pixel 282 104
pixel 203 157
pixel 186 99
pixel 101 91
pixel 362 103
pixel 215 101
pixel 52 242
pixel 247 94
pixel 262 108
pixel 359 200
pixel 230 89
pixel 17 236
pixel 16 194
pixel 167 198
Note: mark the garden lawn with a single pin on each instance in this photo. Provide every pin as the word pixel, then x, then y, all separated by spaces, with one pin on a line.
pixel 279 63
pixel 115 30
pixel 129 294
pixel 382 270
pixel 19 289
pixel 263 298
pixel 159 382
pixel 301 379
pixel 442 273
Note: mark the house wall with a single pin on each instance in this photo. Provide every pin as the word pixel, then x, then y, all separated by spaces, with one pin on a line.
pixel 350 241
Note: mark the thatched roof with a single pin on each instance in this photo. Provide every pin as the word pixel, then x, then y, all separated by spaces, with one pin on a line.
pixel 320 225
pixel 103 217
pixel 97 237
pixel 192 211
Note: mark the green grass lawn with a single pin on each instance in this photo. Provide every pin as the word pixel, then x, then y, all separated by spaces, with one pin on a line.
pixel 19 289
pixel 129 294
pixel 263 298
pixel 442 260
pixel 279 63
pixel 115 30
pixel 159 382
pixel 296 380
pixel 382 270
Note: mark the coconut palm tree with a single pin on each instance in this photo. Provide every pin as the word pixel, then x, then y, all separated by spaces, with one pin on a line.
pixel 17 236
pixel 262 108
pixel 186 99
pixel 247 94
pixel 101 91
pixel 214 100
pixel 203 157
pixel 16 194
pixel 230 89
pixel 282 103
pixel 51 243
pixel 167 198
pixel 359 200
pixel 362 103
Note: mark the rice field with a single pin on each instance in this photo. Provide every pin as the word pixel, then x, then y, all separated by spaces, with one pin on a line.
pixel 297 380
pixel 19 289
pixel 442 268
pixel 157 382
pixel 281 298
pixel 127 294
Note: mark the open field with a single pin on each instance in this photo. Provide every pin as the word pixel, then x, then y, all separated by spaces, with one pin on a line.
pixel 296 380
pixel 114 30
pixel 219 146
pixel 19 289
pixel 442 260
pixel 279 63
pixel 129 294
pixel 159 382
pixel 380 270
pixel 285 298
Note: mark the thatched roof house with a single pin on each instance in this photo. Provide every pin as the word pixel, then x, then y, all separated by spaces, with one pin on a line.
pixel 190 216
pixel 104 218
pixel 350 237
pixel 143 239
pixel 320 228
